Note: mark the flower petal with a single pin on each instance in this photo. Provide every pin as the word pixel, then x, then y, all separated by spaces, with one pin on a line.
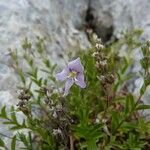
pixel 80 80
pixel 76 65
pixel 68 85
pixel 62 76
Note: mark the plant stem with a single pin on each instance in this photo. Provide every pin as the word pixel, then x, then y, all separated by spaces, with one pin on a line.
pixel 71 142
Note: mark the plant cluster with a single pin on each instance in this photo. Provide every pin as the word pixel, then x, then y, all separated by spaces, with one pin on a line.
pixel 103 115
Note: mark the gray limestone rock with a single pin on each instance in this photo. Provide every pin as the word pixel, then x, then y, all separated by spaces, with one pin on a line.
pixel 122 15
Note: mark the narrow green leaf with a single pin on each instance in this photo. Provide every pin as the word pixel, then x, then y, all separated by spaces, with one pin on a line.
pixel 17 127
pixel 3 112
pixel 35 81
pixel 13 143
pixel 31 62
pixel 21 75
pixel 123 70
pixel 130 104
pixel 53 68
pixel 142 107
pixel 40 81
pixel 91 145
pixel 13 115
pixel 23 138
pixel 115 120
pixel 30 140
pixel 8 122
pixel 2 143
pixel 35 72
pixel 143 88
pixel 47 63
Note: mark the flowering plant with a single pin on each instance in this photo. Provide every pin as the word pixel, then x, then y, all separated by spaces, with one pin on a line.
pixel 73 73
pixel 105 115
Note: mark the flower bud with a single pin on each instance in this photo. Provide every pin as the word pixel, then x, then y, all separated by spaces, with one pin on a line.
pixel 99 46
pixel 95 54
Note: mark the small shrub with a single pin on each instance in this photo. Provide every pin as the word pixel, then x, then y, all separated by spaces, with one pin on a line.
pixel 104 115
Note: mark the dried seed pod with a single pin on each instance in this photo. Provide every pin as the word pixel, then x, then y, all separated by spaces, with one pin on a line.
pixel 99 46
pixel 21 103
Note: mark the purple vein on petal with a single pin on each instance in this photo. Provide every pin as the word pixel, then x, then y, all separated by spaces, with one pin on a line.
pixel 76 65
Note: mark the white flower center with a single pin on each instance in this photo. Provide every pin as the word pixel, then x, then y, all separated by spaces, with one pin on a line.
pixel 72 74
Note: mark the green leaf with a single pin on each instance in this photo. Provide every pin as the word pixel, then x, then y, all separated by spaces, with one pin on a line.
pixel 36 81
pixel 30 140
pixel 129 125
pixel 40 81
pixel 23 138
pixel 89 132
pixel 126 64
pixel 145 84
pixel 13 143
pixel 46 71
pixel 21 75
pixel 143 89
pixel 47 63
pixel 147 80
pixel 130 104
pixel 13 115
pixel 17 127
pixel 3 112
pixel 2 143
pixel 26 44
pixel 115 120
pixel 142 107
pixel 91 145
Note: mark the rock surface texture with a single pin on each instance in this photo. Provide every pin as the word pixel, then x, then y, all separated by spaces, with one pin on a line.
pixel 63 23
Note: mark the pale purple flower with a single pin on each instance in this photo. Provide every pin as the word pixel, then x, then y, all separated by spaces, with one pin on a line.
pixel 73 73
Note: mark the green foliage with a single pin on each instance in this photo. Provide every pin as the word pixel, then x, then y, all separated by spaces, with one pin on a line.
pixel 2 144
pixel 13 143
pixel 105 115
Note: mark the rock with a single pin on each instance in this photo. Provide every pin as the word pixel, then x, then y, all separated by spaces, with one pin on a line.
pixel 102 20
pixel 62 23
pixel 7 78
pixel 146 100
pixel 122 15
pixel 5 98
